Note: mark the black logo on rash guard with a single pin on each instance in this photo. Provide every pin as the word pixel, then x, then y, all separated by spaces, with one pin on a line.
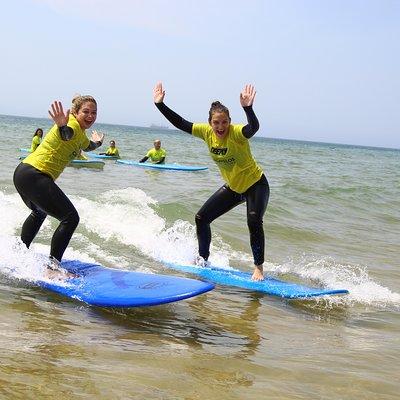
pixel 226 161
pixel 218 151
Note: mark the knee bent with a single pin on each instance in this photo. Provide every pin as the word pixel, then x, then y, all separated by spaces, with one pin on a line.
pixel 72 219
pixel 39 215
pixel 200 220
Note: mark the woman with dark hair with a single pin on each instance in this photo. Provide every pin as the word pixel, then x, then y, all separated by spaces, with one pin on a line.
pixel 37 138
pixel 245 181
pixel 112 150
pixel 34 177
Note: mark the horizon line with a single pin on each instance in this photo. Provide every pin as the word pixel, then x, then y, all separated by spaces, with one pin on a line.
pixel 168 129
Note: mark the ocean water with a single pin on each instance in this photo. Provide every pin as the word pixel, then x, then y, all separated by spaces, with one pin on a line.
pixel 333 221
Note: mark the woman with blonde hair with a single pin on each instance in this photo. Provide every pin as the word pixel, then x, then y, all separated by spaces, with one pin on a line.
pixel 35 176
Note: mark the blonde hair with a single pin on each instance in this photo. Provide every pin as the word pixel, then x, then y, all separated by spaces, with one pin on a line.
pixel 78 101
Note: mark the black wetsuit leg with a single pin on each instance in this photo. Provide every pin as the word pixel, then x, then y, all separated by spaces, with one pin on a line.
pixel 40 193
pixel 257 197
pixel 223 200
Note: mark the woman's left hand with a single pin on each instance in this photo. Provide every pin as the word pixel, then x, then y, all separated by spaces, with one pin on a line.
pixel 97 136
pixel 247 96
pixel 158 93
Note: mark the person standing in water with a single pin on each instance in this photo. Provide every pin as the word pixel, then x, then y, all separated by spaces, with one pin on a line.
pixel 157 154
pixel 37 138
pixel 245 181
pixel 34 177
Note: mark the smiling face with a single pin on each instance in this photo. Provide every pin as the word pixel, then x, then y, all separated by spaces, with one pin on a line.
pixel 220 122
pixel 86 114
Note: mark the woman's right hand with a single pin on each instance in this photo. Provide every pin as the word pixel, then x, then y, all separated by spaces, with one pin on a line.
pixel 58 116
pixel 158 93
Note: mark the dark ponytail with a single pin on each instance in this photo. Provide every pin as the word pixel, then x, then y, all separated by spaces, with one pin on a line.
pixel 217 106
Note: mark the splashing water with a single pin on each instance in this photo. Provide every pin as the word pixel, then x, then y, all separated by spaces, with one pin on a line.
pixel 129 217
pixel 329 273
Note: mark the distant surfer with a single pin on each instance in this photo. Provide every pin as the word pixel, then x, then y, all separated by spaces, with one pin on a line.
pixel 157 154
pixel 112 151
pixel 245 181
pixel 35 176
pixel 36 139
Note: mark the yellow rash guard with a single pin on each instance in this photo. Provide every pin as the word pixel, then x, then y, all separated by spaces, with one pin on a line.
pixel 35 143
pixel 232 155
pixel 112 152
pixel 156 155
pixel 54 154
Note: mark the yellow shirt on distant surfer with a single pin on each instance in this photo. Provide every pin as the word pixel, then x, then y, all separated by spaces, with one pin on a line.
pixel 54 154
pixel 35 143
pixel 232 155
pixel 156 155
pixel 112 151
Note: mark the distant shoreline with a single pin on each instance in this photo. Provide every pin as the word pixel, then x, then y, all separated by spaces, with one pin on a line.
pixel 155 126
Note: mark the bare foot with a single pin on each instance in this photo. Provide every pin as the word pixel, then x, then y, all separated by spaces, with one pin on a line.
pixel 258 274
pixel 199 261
pixel 59 275
pixel 55 271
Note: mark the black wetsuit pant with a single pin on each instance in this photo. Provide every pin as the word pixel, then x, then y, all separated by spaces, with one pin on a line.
pixel 223 200
pixel 40 193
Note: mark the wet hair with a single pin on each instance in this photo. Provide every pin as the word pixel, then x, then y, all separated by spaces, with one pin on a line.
pixel 37 131
pixel 112 141
pixel 217 106
pixel 78 101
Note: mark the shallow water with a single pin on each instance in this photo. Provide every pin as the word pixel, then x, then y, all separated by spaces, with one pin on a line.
pixel 333 220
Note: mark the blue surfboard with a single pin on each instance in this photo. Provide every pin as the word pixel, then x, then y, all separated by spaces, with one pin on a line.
pixel 107 287
pixel 87 164
pixel 81 163
pixel 173 167
pixel 271 286
pixel 102 156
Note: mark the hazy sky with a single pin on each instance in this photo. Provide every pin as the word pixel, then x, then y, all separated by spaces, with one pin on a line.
pixel 324 70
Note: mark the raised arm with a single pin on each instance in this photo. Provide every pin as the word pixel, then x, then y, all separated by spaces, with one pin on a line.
pixel 61 120
pixel 246 100
pixel 171 116
pixel 96 141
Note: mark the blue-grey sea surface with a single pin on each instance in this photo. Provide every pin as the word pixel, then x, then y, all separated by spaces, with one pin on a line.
pixel 333 220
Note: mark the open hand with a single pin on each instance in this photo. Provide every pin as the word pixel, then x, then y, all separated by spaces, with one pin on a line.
pixel 97 136
pixel 158 93
pixel 57 114
pixel 247 96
